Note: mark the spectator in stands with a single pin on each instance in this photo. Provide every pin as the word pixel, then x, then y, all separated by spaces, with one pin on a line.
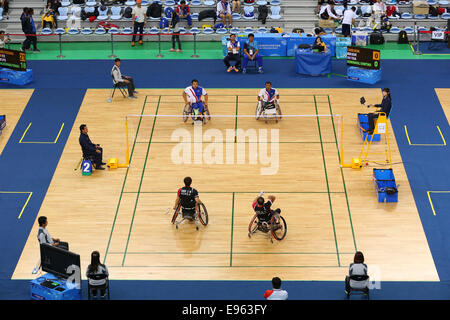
pixel 379 9
pixel 236 7
pixel 357 268
pixel 29 28
pixel 175 36
pixel 123 80
pixel 3 39
pixel 44 235
pixel 224 12
pixel 96 269
pixel 5 5
pixel 183 12
pixel 48 20
pixel 251 52
pixel 392 11
pixel 139 21
pixel 327 12
pixel 90 149
pixel 276 293
pixel 234 48
pixel 320 3
pixel 54 5
pixel 348 21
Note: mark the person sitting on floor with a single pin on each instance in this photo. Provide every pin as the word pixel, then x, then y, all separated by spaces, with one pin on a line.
pixel 89 149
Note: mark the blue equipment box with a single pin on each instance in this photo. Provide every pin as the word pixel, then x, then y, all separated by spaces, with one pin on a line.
pixel 385 185
pixel 363 122
pixel 341 47
pixel 49 287
pixel 16 77
pixel 363 75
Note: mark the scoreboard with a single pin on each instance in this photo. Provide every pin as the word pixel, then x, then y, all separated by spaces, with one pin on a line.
pixel 363 58
pixel 13 59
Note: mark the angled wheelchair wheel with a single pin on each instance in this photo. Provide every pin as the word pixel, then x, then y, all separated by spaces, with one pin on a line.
pixel 278 110
pixel 175 215
pixel 253 226
pixel 258 111
pixel 186 112
pixel 278 227
pixel 203 214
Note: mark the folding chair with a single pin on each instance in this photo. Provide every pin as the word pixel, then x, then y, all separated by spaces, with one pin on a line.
pixel 358 278
pixel 119 86
pixel 106 286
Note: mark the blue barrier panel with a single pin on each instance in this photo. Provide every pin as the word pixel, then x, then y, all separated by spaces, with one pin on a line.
pixel 295 40
pixel 363 75
pixel 341 47
pixel 270 44
pixel 16 77
pixel 311 63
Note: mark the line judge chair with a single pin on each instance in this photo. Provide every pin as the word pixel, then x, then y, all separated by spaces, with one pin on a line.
pixel 122 88
pixel 358 278
pixel 106 286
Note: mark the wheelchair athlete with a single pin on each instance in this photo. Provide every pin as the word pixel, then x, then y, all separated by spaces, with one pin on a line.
pixel 264 211
pixel 268 98
pixel 188 198
pixel 192 96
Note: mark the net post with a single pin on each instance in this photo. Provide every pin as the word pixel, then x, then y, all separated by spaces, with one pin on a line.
pixel 60 47
pixel 159 46
pixel 195 55
pixel 112 55
pixel 417 52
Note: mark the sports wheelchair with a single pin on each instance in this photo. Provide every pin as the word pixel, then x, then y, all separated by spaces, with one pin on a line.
pixel 193 214
pixel 268 110
pixel 276 227
pixel 193 111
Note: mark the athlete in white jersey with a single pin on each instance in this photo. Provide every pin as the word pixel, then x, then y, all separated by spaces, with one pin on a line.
pixel 269 96
pixel 193 94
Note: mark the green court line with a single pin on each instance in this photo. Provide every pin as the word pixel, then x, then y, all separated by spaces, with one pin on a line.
pixel 328 186
pixel 232 229
pixel 124 181
pixel 342 175
pixel 140 184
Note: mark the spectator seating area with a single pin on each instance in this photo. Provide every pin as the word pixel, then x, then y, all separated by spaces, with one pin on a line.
pixel 287 14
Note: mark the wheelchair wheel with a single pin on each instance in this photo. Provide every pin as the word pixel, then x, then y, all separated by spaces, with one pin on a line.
pixel 278 227
pixel 253 225
pixel 175 215
pixel 258 111
pixel 277 106
pixel 203 214
pixel 186 112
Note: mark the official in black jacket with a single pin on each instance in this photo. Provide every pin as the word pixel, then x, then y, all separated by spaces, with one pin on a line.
pixel 29 28
pixel 385 106
pixel 91 150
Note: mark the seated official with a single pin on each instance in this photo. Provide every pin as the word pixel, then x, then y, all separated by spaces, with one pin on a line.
pixel 385 106
pixel 234 48
pixel 188 198
pixel 251 52
pixel 44 236
pixel 91 150
pixel 99 271
pixel 319 45
pixel 124 81
pixel 357 268
pixel 3 39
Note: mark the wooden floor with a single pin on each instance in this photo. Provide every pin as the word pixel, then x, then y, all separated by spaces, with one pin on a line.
pixel 444 98
pixel 17 100
pixel 330 212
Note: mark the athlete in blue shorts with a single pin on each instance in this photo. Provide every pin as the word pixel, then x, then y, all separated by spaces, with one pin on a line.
pixel 192 95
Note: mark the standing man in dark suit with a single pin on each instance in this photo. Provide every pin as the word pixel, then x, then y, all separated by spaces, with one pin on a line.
pixel 29 28
pixel 89 149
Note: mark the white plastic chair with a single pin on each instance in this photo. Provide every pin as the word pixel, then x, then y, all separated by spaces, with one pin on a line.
pixel 91 3
pixel 116 13
pixel 62 13
pixel 65 3
pixel 102 14
pixel 275 12
pixel 249 12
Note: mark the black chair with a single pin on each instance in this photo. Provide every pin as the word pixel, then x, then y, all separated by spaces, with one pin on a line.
pixel 121 86
pixel 105 286
pixel 358 278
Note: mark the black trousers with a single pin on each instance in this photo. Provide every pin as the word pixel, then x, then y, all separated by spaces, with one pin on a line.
pixel 177 39
pixel 138 28
pixel 232 57
pixel 97 157
pixel 102 289
pixel 372 118
pixel 346 30
pixel 28 41
pixel 129 85
pixel 63 245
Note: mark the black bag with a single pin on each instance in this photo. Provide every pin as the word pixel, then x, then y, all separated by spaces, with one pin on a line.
pixel 207 14
pixel 263 13
pixel 402 37
pixel 376 38
pixel 127 12
pixel 154 10
pixel 434 12
pixel 78 1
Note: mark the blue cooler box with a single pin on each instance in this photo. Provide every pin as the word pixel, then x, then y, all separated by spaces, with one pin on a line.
pixel 341 47
pixel 59 290
pixel 384 178
pixel 363 75
pixel 16 77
